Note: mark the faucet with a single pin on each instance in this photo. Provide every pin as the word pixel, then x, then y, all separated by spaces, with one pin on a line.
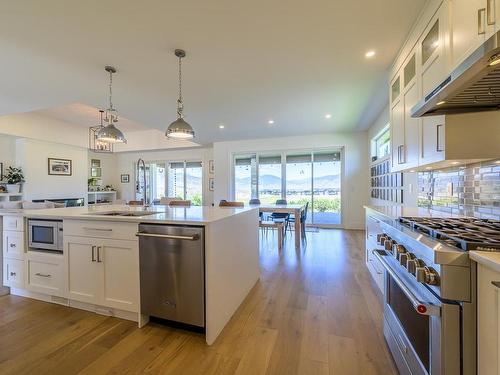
pixel 139 163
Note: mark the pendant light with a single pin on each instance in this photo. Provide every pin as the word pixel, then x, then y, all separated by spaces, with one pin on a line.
pixel 180 129
pixel 110 133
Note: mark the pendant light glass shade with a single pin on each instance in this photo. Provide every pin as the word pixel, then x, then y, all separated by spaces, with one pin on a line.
pixel 110 133
pixel 180 129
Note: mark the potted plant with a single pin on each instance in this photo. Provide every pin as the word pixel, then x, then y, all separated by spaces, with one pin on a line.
pixel 14 178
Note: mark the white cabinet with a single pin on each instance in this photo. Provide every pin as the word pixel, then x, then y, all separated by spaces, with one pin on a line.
pixel 488 320
pixel 103 272
pixel 46 273
pixel 13 245
pixel 13 223
pixel 13 273
pixel 374 266
pixel 472 22
pixel 405 130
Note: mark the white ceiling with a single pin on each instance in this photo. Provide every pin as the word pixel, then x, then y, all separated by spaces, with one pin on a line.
pixel 247 62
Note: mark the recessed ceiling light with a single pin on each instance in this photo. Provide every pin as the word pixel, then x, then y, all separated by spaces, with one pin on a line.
pixel 271 122
pixel 497 162
pixel 328 116
pixel 370 54
pixel 494 60
pixel 441 102
pixel 455 162
pixel 221 126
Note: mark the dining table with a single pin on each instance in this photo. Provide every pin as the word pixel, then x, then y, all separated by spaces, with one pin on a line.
pixel 292 209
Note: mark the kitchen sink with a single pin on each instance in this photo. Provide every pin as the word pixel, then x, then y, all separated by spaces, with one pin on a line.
pixel 123 213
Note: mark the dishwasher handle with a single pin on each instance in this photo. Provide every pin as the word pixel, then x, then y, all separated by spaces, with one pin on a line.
pixel 169 236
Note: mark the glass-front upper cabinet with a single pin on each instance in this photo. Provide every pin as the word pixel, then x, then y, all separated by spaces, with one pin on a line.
pixel 395 89
pixel 410 70
pixel 430 42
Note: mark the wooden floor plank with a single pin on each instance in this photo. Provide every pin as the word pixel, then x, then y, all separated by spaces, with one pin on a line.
pixel 314 311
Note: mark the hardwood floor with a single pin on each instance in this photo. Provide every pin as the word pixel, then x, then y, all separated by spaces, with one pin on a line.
pixel 314 311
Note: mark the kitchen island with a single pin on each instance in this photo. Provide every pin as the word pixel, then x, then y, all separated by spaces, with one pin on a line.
pixel 107 280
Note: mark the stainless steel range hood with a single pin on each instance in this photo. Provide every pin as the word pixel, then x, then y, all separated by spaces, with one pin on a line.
pixel 473 86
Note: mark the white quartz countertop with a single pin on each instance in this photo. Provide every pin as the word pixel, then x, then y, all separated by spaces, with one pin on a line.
pixel 396 211
pixel 487 258
pixel 162 214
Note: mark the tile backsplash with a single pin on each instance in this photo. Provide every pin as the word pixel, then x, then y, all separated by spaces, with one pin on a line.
pixel 473 190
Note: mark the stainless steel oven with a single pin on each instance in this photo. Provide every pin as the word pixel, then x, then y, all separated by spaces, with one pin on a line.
pixel 429 304
pixel 46 235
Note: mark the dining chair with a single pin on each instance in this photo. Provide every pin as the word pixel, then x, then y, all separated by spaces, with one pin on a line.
pixel 254 201
pixel 180 203
pixel 281 216
pixel 231 204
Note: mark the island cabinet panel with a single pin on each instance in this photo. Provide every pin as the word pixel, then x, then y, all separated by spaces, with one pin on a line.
pixel 13 244
pixel 488 320
pixel 15 223
pixel 120 262
pixel 13 273
pixel 46 273
pixel 84 273
pixel 104 272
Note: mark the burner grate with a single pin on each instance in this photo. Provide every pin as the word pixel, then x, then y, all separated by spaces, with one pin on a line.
pixel 465 233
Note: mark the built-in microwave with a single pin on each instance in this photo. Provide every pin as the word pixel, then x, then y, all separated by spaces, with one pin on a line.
pixel 46 235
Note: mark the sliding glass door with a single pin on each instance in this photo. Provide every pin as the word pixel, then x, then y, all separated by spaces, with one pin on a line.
pixel 326 188
pixel 299 174
pixel 311 178
pixel 194 182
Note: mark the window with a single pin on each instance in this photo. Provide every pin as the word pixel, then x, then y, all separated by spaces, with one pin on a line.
pixel 269 178
pixel 430 42
pixel 245 177
pixel 179 179
pixel 381 144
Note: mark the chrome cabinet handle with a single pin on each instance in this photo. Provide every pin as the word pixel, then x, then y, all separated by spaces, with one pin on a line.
pixel 496 283
pixel 490 12
pixel 99 260
pixel 13 274
pixel 93 253
pixel 481 13
pixel 171 236
pixel 400 154
pixel 42 274
pixel 12 245
pixel 437 138
pixel 99 229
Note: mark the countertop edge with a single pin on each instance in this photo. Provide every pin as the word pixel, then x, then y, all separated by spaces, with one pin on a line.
pixel 488 259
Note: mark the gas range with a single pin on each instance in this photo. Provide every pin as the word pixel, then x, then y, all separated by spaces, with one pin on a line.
pixel 463 233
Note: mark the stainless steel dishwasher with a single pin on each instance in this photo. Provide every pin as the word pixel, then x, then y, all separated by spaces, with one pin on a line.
pixel 172 269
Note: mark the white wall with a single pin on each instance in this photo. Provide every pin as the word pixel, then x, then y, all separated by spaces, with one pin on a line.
pixel 354 191
pixel 410 179
pixel 32 155
pixel 7 151
pixel 126 162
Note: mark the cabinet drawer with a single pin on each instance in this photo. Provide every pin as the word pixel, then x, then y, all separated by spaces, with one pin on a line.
pixel 45 277
pixel 13 273
pixel 101 229
pixel 15 223
pixel 13 244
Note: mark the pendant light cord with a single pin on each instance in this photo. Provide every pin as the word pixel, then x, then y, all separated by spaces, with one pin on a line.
pixel 111 90
pixel 180 104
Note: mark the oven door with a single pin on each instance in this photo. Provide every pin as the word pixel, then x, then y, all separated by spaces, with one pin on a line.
pixel 422 332
pixel 44 235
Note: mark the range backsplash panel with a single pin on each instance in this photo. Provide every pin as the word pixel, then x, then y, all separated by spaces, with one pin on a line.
pixel 473 190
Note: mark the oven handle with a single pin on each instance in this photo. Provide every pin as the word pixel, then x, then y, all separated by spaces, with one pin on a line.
pixel 423 308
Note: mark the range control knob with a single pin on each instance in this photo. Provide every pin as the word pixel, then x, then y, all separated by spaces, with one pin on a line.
pixel 412 265
pixel 388 244
pixel 379 236
pixel 408 258
pixel 398 250
pixel 427 275
pixel 382 239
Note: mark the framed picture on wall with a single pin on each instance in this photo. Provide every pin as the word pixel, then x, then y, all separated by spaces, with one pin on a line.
pixel 211 167
pixel 125 178
pixel 95 163
pixel 60 167
pixel 211 184
pixel 95 172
